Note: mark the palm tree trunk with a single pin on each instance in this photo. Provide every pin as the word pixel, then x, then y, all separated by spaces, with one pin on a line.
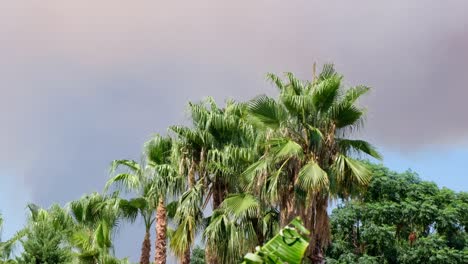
pixel 186 258
pixel 320 229
pixel 191 175
pixel 210 257
pixel 288 201
pixel 161 228
pixel 146 249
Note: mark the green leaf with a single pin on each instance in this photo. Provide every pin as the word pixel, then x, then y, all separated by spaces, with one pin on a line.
pixel 267 111
pixel 326 93
pixel 241 205
pixel 289 246
pixel 312 177
pixel 347 145
pixel 285 148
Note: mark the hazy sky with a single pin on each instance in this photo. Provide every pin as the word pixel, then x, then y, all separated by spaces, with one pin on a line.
pixel 85 82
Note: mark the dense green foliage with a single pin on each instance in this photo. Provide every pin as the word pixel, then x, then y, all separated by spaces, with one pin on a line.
pixel 44 244
pixel 257 165
pixel 198 256
pixel 401 219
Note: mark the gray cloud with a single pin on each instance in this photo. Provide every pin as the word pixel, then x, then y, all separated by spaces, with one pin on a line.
pixel 86 82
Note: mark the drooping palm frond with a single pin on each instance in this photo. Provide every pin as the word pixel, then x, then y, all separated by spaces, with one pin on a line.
pixel 283 148
pixel 350 173
pixel 351 146
pixel 296 85
pixel 345 115
pixel 131 165
pixel 126 181
pixel 354 93
pixel 234 228
pixel 188 217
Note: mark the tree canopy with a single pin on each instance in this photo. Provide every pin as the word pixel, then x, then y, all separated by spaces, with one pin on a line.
pixel 401 219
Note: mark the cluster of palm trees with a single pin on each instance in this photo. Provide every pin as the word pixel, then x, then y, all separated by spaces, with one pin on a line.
pixel 237 175
pixel 80 232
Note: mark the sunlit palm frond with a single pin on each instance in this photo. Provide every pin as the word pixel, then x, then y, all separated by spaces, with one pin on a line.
pixel 242 206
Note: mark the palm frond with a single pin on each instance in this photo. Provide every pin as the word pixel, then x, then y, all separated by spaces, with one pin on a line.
pixel 312 178
pixel 328 71
pixel 285 148
pixel 276 80
pixel 349 171
pixel 242 206
pixel 326 93
pixel 126 181
pixel 131 165
pixel 354 93
pixel 358 146
pixel 267 111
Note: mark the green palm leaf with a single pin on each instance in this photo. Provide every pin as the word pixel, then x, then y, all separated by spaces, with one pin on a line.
pixel 312 177
pixel 242 205
pixel 285 148
pixel 267 111
pixel 349 145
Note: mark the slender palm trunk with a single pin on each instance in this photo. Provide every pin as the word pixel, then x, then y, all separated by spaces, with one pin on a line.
pixel 186 258
pixel 219 193
pixel 146 249
pixel 191 175
pixel 161 228
pixel 210 256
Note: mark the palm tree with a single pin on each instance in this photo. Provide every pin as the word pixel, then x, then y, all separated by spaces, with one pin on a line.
pixel 166 184
pixel 47 236
pixel 217 149
pixel 190 151
pixel 238 225
pixel 139 179
pixel 307 158
pixel 95 220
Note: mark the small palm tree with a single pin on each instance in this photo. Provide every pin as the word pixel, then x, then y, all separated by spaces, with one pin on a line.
pixel 153 183
pixel 45 238
pixel 137 178
pixel 95 220
pixel 166 184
